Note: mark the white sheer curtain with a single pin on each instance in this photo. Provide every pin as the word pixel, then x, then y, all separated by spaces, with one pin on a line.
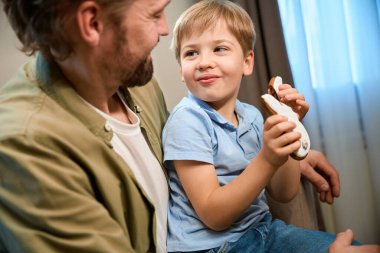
pixel 334 53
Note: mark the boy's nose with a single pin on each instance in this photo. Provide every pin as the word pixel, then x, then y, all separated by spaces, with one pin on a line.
pixel 205 62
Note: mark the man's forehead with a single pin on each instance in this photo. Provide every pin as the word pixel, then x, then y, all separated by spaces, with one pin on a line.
pixel 155 3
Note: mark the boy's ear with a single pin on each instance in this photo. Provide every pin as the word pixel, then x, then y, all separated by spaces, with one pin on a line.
pixel 248 63
pixel 90 22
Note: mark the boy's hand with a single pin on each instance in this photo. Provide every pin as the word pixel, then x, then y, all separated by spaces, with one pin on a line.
pixel 290 96
pixel 279 140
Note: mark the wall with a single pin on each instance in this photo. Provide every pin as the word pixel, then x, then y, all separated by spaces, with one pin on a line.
pixel 165 64
pixel 10 57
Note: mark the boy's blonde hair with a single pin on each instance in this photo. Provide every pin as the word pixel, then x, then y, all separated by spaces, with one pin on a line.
pixel 205 14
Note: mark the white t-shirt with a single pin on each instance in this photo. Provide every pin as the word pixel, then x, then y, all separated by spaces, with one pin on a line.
pixel 129 142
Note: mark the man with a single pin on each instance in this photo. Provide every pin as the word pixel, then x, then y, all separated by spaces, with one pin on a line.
pixel 71 181
pixel 65 186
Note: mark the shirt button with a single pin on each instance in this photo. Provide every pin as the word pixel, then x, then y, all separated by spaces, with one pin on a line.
pixel 107 127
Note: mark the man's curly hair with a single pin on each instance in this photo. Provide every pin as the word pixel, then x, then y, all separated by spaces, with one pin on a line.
pixel 39 24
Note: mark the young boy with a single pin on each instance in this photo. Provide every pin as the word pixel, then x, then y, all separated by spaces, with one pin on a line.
pixel 220 156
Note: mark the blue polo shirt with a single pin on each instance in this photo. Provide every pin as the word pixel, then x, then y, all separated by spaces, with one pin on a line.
pixel 195 131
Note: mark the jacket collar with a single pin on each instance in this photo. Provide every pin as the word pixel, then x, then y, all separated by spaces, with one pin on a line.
pixel 54 84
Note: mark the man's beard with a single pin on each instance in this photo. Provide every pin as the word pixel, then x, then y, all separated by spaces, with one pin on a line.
pixel 124 65
pixel 141 76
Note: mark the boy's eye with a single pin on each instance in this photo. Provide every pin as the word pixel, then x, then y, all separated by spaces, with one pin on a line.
pixel 190 53
pixel 220 49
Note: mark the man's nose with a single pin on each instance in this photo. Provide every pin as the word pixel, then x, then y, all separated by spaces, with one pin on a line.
pixel 164 27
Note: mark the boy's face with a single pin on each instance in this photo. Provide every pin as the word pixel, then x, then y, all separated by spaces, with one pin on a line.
pixel 212 65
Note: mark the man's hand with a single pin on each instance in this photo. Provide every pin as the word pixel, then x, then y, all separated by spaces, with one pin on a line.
pixel 342 244
pixel 322 174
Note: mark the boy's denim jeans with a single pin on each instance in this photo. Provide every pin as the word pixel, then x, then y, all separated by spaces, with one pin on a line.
pixel 276 237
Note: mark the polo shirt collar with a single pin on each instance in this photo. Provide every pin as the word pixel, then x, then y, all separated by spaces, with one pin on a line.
pixel 216 117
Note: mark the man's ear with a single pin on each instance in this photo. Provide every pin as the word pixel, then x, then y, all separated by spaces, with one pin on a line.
pixel 90 22
pixel 248 63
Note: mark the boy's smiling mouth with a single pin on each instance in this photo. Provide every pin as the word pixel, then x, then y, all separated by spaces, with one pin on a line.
pixel 207 78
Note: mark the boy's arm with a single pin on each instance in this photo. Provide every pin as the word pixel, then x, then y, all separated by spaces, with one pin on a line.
pixel 220 206
pixel 201 184
pixel 285 183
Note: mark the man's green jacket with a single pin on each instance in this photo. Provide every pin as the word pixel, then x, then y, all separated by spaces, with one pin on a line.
pixel 62 186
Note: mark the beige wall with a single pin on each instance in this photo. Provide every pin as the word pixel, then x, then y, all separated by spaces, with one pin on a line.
pixel 165 64
pixel 166 68
pixel 10 57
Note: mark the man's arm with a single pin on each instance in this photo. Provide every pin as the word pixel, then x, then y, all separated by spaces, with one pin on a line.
pixel 301 210
pixel 285 183
pixel 48 204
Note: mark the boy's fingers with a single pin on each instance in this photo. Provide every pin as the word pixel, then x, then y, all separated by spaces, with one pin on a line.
pixel 285 86
pixel 293 97
pixel 274 120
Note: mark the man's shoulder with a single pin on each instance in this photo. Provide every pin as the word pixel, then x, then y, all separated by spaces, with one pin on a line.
pixel 20 99
pixel 26 110
pixel 24 115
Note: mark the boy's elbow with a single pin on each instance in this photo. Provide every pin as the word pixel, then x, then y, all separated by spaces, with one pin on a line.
pixel 215 222
pixel 216 226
